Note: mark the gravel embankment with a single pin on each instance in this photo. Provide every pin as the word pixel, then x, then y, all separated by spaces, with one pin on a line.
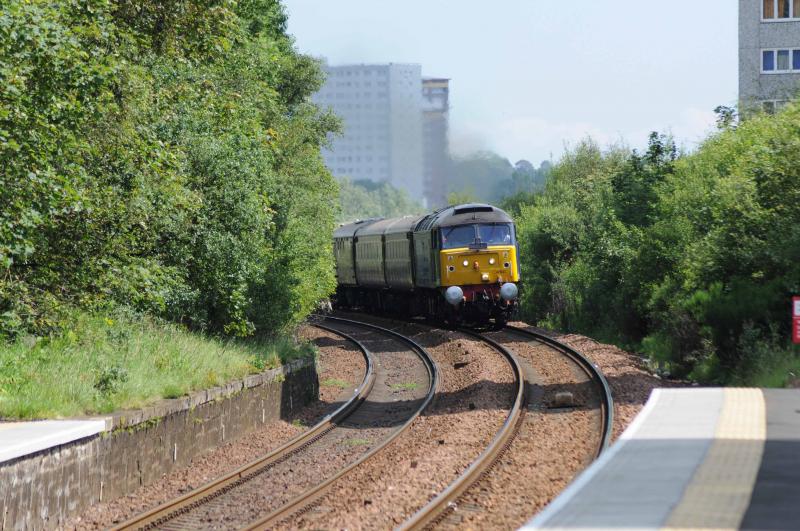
pixel 550 448
pixel 553 445
pixel 401 384
pixel 475 393
pixel 630 380
pixel 341 367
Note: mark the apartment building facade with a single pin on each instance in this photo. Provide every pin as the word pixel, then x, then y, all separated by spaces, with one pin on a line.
pixel 380 105
pixel 769 53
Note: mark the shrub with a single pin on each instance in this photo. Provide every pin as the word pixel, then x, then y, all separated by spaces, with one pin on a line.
pixel 163 156
pixel 692 257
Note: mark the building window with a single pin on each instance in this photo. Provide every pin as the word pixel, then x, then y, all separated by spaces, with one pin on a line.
pixel 773 106
pixel 780 61
pixel 777 10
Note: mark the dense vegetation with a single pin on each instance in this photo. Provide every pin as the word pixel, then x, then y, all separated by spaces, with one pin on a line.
pixel 367 199
pixel 690 258
pixel 486 176
pixel 159 162
pixel 162 155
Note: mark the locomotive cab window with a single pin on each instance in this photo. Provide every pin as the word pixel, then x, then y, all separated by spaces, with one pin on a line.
pixel 496 234
pixel 487 233
pixel 459 236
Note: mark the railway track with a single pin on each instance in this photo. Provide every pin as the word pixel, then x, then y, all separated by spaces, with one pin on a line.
pixel 224 502
pixel 198 508
pixel 592 371
pixel 442 510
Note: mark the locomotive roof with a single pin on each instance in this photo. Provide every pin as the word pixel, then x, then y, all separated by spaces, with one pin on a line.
pixel 463 215
pixel 390 226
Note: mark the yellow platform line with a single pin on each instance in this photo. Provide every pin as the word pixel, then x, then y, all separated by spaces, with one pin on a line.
pixel 720 490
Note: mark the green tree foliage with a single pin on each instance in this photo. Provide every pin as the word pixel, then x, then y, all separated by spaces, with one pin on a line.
pixel 526 182
pixel 692 258
pixel 490 178
pixel 461 198
pixel 367 199
pixel 162 155
pixel 481 174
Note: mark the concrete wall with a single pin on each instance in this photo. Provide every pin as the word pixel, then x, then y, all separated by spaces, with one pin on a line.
pixel 754 36
pixel 43 489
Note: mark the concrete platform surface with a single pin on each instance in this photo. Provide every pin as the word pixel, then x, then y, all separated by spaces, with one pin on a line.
pixel 693 459
pixel 18 439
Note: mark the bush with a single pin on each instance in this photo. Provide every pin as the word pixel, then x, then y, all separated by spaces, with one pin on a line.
pixel 693 258
pixel 163 156
pixel 366 199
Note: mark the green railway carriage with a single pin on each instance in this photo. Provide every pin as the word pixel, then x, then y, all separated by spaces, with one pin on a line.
pixel 458 264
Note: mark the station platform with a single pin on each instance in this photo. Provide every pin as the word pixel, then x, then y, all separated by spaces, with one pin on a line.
pixel 18 439
pixel 693 459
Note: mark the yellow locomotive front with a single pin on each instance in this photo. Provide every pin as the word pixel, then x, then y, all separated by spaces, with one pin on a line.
pixel 479 269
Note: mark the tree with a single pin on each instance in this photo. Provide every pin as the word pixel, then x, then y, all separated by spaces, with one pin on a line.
pixel 461 198
pixel 180 175
pixel 365 199
pixel 485 174
pixel 691 258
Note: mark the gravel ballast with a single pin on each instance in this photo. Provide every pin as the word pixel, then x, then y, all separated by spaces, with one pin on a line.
pixel 476 391
pixel 401 384
pixel 553 444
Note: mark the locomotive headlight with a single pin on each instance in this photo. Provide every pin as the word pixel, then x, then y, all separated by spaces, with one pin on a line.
pixel 509 291
pixel 491 261
pixel 454 295
pixel 466 263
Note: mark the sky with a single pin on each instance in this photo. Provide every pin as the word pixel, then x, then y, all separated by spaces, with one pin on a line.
pixel 530 77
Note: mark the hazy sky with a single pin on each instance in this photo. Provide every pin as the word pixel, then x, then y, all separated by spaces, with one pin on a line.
pixel 529 76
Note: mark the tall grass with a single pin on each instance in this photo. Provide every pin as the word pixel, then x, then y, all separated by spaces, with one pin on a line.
pixel 108 362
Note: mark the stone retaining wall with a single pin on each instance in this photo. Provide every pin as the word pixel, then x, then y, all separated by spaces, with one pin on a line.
pixel 41 490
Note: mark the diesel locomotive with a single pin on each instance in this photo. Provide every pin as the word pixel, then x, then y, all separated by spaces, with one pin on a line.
pixel 457 264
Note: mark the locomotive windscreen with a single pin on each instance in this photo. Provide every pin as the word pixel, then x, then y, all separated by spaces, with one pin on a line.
pixel 487 233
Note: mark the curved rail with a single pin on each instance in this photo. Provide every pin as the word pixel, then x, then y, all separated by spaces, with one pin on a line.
pixel 594 372
pixel 174 508
pixel 306 501
pixel 436 508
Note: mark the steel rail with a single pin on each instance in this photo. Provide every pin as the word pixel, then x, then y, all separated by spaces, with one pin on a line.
pixel 308 499
pixel 439 507
pixel 594 372
pixel 174 508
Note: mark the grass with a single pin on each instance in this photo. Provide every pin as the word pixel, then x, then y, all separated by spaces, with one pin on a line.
pixel 357 442
pixel 404 386
pixel 107 362
pixel 333 382
pixel 781 370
